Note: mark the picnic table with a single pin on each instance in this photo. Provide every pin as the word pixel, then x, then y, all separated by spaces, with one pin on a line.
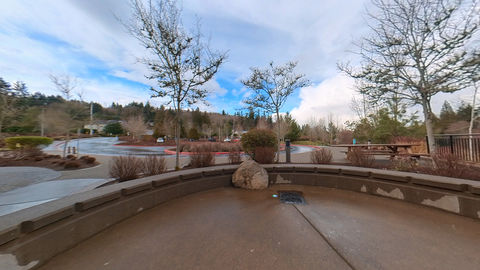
pixel 388 149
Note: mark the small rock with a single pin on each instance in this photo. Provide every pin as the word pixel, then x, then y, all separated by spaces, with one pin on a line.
pixel 250 175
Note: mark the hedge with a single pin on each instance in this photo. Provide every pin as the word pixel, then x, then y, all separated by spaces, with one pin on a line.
pixel 258 142
pixel 27 142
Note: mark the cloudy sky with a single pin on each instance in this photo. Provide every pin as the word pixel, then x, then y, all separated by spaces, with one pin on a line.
pixel 84 38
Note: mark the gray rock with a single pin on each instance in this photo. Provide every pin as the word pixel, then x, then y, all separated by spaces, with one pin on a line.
pixel 250 175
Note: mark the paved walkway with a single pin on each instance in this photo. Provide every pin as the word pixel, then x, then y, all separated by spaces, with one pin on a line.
pixel 31 195
pixel 15 177
pixel 236 229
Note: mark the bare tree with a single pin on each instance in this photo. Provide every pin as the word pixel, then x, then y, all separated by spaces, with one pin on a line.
pixel 272 86
pixel 135 125
pixel 179 62
pixel 332 128
pixel 418 48
pixel 262 123
pixel 282 125
pixel 473 116
pixel 65 117
pixel 359 107
pixel 65 84
pixel 316 129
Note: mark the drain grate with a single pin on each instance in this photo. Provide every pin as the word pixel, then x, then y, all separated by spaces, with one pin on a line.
pixel 291 197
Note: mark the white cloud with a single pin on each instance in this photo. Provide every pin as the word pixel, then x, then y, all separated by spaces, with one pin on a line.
pixel 334 95
pixel 331 96
pixel 214 89
pixel 239 92
pixel 315 33
pixel 103 91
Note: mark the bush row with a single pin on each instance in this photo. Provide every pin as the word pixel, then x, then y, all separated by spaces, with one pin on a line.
pixel 23 142
pixel 124 168
pixel 214 147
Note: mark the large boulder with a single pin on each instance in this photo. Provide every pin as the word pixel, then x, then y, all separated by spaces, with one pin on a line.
pixel 250 175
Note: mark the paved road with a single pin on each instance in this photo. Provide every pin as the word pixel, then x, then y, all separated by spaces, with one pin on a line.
pixel 231 228
pixel 107 146
pixel 15 177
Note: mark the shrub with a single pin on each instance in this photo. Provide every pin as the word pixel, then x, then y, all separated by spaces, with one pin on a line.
pixel 215 146
pixel 113 128
pixel 38 158
pixel 71 157
pixel 72 164
pixel 264 155
pixel 88 159
pixel 404 164
pixel 153 165
pixel 193 134
pixel 202 156
pixel 321 156
pixel 359 158
pixel 125 168
pixel 259 141
pixel 27 142
pixel 449 165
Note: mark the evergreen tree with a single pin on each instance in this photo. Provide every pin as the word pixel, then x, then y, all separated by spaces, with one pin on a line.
pixel 294 131
pixel 113 129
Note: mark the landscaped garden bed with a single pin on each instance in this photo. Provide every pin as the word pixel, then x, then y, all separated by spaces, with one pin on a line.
pixel 55 162
pixel 26 151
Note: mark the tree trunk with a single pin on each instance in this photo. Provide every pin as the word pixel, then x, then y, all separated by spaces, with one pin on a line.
pixel 427 112
pixel 1 124
pixel 472 120
pixel 278 136
pixel 177 138
pixel 67 140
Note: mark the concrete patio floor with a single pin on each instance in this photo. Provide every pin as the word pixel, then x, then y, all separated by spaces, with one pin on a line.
pixel 236 229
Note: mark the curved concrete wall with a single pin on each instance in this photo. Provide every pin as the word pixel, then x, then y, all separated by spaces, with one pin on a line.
pixel 31 236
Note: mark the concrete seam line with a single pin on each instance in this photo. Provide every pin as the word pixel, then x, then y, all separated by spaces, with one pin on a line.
pixel 325 238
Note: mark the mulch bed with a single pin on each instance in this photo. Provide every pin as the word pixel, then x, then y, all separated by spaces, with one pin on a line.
pixel 54 162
